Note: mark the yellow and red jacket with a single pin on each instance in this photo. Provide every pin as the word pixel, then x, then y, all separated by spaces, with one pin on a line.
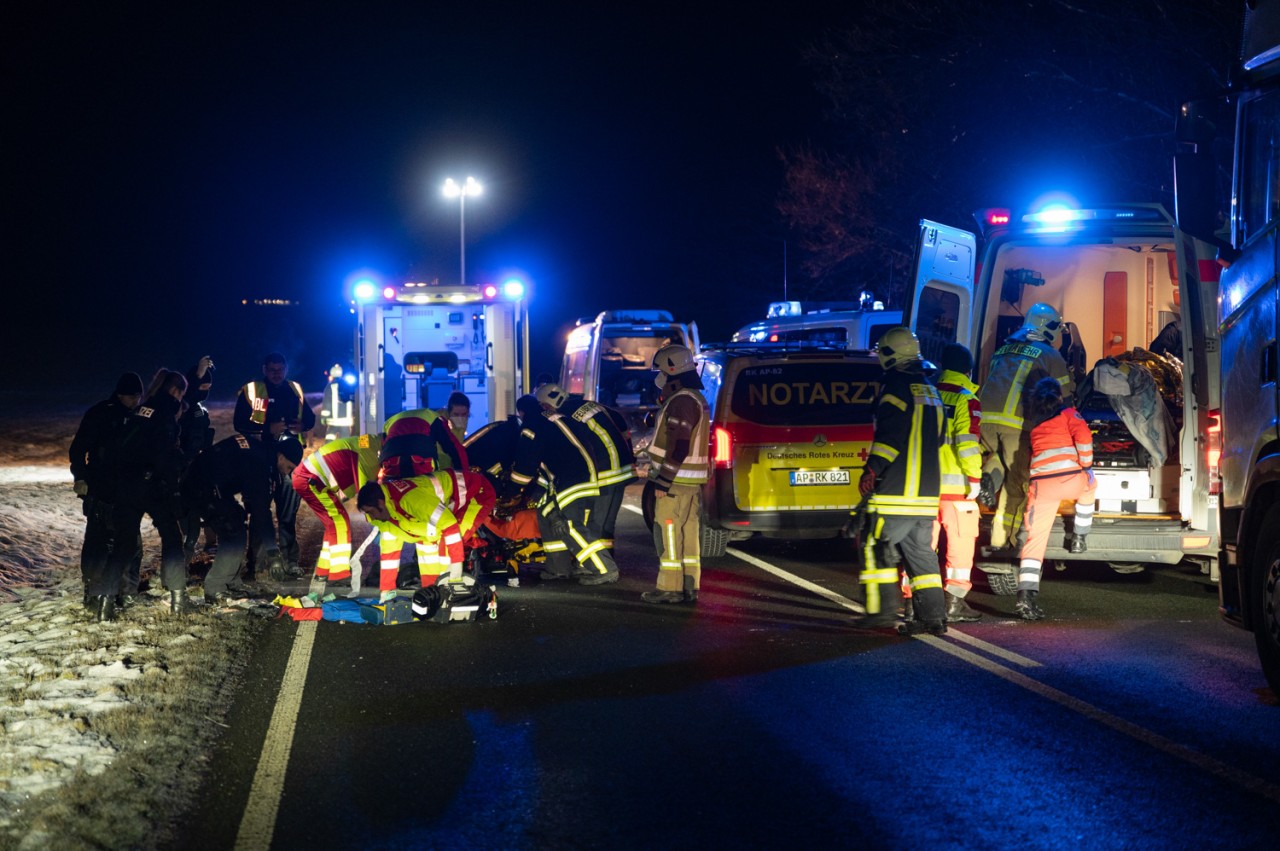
pixel 1061 445
pixel 343 466
pixel 961 454
pixel 445 507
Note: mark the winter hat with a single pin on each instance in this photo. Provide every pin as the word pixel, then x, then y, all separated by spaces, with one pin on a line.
pixel 290 448
pixel 956 358
pixel 129 384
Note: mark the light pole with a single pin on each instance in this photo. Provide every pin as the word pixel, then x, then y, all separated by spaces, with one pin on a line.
pixel 453 190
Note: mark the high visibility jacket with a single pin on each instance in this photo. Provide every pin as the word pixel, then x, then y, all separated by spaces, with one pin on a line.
pixel 683 421
pixel 427 509
pixel 961 457
pixel 1016 367
pixel 259 396
pixel 597 427
pixel 343 466
pixel 549 444
pixel 905 454
pixel 1061 445
pixel 418 442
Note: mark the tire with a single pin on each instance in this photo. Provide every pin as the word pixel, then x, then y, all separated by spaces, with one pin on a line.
pixel 1002 584
pixel 1265 598
pixel 1126 567
pixel 714 541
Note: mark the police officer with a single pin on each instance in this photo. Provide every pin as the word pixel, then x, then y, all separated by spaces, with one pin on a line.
pixel 147 466
pixel 679 466
pixel 238 465
pixel 569 519
pixel 604 431
pixel 902 480
pixel 1029 355
pixel 91 472
pixel 195 434
pixel 267 410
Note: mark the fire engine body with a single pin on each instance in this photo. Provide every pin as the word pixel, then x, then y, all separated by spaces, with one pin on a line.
pixel 417 343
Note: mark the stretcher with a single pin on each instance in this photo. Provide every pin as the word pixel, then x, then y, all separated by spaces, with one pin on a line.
pixel 503 548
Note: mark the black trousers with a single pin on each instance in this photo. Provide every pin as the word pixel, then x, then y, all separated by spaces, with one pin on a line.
pixel 126 521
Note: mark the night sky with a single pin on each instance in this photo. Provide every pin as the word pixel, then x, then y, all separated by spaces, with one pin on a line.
pixel 165 162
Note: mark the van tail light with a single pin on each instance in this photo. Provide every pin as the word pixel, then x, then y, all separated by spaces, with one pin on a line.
pixel 1213 451
pixel 721 447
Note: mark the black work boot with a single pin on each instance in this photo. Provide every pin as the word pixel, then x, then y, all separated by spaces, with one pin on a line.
pixel 919 627
pixel 958 611
pixel 1076 544
pixel 103 608
pixel 908 610
pixel 690 592
pixel 1027 608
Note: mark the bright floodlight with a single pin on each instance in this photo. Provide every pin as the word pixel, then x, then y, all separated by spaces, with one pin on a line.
pixel 513 289
pixel 471 187
pixel 364 290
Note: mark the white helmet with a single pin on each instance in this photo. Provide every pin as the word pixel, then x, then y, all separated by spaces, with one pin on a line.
pixel 897 346
pixel 672 360
pixel 1045 321
pixel 552 396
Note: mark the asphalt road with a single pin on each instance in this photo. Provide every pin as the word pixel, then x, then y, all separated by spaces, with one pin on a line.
pixel 584 718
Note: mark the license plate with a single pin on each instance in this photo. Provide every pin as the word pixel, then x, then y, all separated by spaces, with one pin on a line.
pixel 819 477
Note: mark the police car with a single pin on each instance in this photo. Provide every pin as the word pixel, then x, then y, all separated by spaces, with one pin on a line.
pixel 791 427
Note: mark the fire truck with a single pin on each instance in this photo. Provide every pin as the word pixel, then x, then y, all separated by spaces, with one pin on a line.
pixel 416 344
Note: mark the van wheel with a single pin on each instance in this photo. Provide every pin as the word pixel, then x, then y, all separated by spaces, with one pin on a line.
pixel 714 541
pixel 1002 584
pixel 1126 566
pixel 1265 578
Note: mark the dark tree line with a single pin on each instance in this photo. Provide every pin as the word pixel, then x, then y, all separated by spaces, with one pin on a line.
pixel 937 109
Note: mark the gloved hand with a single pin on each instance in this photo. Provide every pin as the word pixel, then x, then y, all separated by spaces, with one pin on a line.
pixel 275 566
pixel 506 507
pixel 386 595
pixel 867 483
pixel 81 487
pixel 974 489
pixel 1093 481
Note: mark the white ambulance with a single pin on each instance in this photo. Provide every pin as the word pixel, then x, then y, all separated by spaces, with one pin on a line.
pixel 1117 275
pixel 851 325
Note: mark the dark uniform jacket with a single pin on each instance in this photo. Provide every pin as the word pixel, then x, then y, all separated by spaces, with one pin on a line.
pixel 233 466
pixel 93 444
pixel 548 443
pixel 196 430
pixel 146 459
pixel 492 448
pixel 604 431
pixel 910 419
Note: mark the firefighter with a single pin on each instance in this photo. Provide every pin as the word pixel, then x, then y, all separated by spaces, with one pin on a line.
pixel 1061 470
pixel 238 465
pixel 91 471
pixel 491 449
pixel 419 442
pixel 961 461
pixel 266 410
pixel 1026 357
pixel 438 513
pixel 330 476
pixel 570 518
pixel 679 466
pixel 147 466
pixel 902 481
pixel 605 432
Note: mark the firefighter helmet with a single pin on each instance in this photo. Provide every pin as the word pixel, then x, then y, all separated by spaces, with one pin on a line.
pixel 552 396
pixel 1043 319
pixel 671 361
pixel 897 346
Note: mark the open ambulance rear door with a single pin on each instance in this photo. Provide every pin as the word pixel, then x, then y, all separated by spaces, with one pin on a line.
pixel 940 304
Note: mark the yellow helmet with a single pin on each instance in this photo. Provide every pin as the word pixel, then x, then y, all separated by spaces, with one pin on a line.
pixel 897 346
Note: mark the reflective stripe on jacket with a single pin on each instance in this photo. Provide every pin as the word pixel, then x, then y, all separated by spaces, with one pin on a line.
pixel 906 453
pixel 961 453
pixel 1061 445
pixel 695 467
pixel 1015 369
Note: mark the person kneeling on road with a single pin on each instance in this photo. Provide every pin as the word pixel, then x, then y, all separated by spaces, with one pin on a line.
pixel 438 513
pixel 244 466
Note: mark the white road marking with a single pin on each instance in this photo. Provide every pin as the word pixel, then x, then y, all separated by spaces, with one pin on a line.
pixel 796 580
pixel 259 821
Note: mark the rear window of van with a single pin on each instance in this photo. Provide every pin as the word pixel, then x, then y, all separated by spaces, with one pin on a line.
pixel 807 393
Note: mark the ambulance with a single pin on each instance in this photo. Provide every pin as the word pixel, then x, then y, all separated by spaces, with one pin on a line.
pixel 1117 275
pixel 417 343
pixel 853 325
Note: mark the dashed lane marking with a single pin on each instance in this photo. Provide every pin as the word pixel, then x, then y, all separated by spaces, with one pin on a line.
pixel 259 821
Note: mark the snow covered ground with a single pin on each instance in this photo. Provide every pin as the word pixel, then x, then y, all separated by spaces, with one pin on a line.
pixel 104 725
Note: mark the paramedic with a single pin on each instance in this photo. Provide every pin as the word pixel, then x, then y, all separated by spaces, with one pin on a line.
pixel 961 461
pixel 418 442
pixel 330 476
